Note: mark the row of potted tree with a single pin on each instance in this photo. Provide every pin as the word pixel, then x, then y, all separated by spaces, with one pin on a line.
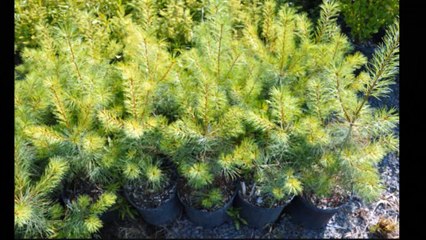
pixel 264 111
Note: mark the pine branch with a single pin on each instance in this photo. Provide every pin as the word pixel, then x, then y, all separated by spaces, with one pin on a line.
pixel 131 91
pixel 268 30
pixel 219 51
pixel 327 22
pixel 232 65
pixel 383 67
pixel 206 107
pixel 109 121
pixel 167 72
pixel 259 122
pixel 58 101
pixel 51 178
pixel 145 45
pixel 73 59
pixel 105 201
pixel 285 35
pixel 318 101
pixel 133 128
pixel 43 133
pixel 284 107
pixel 339 97
pixel 198 174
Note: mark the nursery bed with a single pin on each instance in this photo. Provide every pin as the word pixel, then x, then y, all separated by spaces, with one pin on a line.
pixel 277 117
pixel 353 221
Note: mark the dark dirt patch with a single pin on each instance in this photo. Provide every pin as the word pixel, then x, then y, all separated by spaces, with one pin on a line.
pixel 145 197
pixel 78 187
pixel 337 198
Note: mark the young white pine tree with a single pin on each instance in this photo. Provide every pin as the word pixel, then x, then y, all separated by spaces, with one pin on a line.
pixel 202 141
pixel 359 135
pixel 134 122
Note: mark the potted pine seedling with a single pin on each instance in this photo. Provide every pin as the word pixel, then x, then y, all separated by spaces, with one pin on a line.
pixel 204 137
pixel 136 128
pixel 38 214
pixel 262 199
pixel 200 142
pixel 151 188
pixel 150 179
pixel 290 55
pixel 207 187
pixel 271 178
pixel 72 93
pixel 359 136
pixel 330 136
pixel 271 183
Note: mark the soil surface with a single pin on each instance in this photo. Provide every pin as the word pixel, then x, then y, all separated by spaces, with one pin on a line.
pixel 261 200
pixel 142 196
pixel 79 187
pixel 338 198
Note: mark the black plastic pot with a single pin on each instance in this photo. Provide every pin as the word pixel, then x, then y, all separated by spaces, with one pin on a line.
pixel 257 217
pixel 161 215
pixel 303 212
pixel 109 216
pixel 208 219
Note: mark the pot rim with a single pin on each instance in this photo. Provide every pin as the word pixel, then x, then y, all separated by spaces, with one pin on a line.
pixel 230 201
pixel 174 188
pixel 258 207
pixel 328 209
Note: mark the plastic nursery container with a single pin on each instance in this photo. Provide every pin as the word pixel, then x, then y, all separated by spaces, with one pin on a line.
pixel 303 212
pixel 208 219
pixel 257 217
pixel 166 213
pixel 109 216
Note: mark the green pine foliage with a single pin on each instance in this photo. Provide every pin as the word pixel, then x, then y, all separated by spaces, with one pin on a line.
pixel 133 123
pixel 30 14
pixel 68 81
pixel 274 126
pixel 366 18
pixel 312 93
pixel 363 18
pixel 213 198
pixel 112 92
pixel 73 93
pixel 37 213
pixel 202 140
pixel 172 21
pixel 82 216
pixel 356 135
